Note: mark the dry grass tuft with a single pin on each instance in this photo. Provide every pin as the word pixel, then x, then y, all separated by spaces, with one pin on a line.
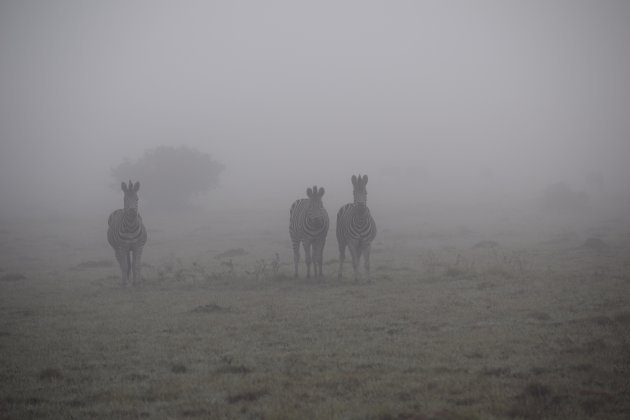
pixel 486 244
pixel 534 402
pixel 210 308
pixel 248 396
pixel 95 264
pixel 179 368
pixel 13 277
pixel 233 370
pixel 50 374
pixel 623 318
pixel 540 316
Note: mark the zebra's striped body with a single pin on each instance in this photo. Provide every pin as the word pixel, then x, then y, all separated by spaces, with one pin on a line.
pixel 309 225
pixel 356 228
pixel 127 235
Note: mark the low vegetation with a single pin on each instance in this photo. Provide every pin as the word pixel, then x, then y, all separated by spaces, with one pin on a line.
pixel 445 330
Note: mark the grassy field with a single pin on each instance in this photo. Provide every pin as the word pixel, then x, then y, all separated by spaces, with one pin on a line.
pixel 454 325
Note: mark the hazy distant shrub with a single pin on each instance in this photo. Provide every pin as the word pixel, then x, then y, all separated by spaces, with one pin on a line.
pixel 170 176
pixel 462 268
pixel 595 244
pixel 560 198
pixel 430 262
pixel 486 244
pixel 498 271
pixel 234 252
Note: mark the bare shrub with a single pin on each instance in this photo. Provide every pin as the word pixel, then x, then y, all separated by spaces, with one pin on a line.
pixel 259 271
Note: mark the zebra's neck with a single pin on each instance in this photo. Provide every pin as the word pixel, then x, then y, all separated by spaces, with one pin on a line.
pixel 361 210
pixel 131 217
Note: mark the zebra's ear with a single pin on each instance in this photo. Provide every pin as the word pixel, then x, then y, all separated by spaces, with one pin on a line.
pixel 321 192
pixel 309 192
pixel 123 186
pixel 136 186
pixel 354 180
pixel 365 178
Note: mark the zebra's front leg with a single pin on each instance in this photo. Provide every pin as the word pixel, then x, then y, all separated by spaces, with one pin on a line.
pixel 342 257
pixel 122 256
pixel 137 265
pixel 318 257
pixel 366 260
pixel 307 258
pixel 296 256
pixel 355 252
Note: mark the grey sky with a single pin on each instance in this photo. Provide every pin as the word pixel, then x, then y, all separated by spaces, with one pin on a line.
pixel 288 93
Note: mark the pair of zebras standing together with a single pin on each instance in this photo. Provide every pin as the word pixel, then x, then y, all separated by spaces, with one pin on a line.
pixel 308 225
pixel 355 229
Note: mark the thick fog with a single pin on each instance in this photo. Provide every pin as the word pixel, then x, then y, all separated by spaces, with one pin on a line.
pixel 453 109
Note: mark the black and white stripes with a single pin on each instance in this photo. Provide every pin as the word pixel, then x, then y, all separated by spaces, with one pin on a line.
pixel 126 233
pixel 356 228
pixel 309 225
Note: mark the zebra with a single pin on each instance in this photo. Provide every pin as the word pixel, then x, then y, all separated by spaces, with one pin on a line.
pixel 127 235
pixel 356 228
pixel 309 225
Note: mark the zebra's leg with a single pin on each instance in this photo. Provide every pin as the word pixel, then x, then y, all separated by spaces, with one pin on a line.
pixel 307 258
pixel 342 257
pixel 366 260
pixel 355 252
pixel 137 265
pixel 296 256
pixel 320 255
pixel 122 256
pixel 318 250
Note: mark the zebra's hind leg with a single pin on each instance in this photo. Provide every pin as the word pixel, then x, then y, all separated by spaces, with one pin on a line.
pixel 296 256
pixel 137 265
pixel 307 258
pixel 122 256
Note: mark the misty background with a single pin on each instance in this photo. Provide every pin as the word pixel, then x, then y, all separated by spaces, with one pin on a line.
pixel 460 112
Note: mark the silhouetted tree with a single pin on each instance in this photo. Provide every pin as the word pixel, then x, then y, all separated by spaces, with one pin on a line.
pixel 170 176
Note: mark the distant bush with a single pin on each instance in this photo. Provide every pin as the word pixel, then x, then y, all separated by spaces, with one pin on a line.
pixel 561 198
pixel 170 176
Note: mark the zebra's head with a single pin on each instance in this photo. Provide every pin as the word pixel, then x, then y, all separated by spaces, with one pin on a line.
pixel 131 195
pixel 316 214
pixel 359 191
